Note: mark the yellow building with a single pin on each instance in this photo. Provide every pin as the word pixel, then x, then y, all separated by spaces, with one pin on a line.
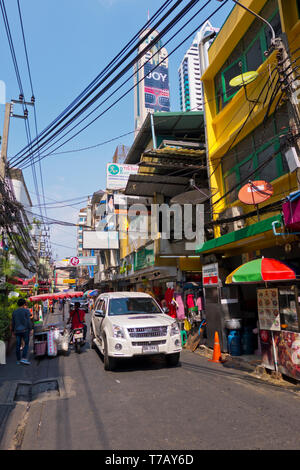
pixel 249 128
pixel 248 125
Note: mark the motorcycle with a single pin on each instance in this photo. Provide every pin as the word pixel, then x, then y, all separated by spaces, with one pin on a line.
pixel 77 339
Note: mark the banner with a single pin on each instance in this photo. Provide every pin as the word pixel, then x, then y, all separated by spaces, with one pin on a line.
pixel 156 83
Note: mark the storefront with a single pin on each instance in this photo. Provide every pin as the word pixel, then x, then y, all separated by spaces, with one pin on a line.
pixel 278 311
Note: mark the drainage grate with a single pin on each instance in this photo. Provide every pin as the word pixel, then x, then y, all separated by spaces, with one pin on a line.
pixel 29 392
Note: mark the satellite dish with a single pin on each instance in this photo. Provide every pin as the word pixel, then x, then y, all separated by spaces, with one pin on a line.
pixel 243 79
pixel 255 192
pixel 191 197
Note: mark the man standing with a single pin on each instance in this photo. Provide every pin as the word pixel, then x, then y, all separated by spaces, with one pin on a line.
pixel 21 326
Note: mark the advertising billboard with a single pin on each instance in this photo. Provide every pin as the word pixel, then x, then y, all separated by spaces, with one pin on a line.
pixel 93 240
pixel 117 175
pixel 156 83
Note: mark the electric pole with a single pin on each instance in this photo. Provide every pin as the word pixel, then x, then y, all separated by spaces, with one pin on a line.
pixel 4 145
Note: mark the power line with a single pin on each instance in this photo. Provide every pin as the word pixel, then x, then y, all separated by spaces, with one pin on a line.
pixel 91 89
pixel 124 94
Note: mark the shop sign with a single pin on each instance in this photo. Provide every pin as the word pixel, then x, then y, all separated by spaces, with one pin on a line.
pixel 210 274
pixel 268 309
pixel 117 175
pixel 267 342
pixel 69 281
pixel 144 257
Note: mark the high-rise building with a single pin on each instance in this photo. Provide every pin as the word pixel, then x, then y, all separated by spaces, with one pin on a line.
pixel 191 68
pixel 152 92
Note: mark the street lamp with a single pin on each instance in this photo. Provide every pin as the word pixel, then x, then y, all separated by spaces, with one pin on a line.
pixel 257 16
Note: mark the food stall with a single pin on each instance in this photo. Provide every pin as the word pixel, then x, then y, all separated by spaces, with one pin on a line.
pixel 50 338
pixel 278 312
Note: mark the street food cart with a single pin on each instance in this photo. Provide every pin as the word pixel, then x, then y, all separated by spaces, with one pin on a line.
pixel 49 338
pixel 278 311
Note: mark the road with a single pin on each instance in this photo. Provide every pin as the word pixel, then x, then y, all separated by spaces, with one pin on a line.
pixel 146 405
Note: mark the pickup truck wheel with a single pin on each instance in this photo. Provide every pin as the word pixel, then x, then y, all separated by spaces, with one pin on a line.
pixel 172 359
pixel 93 346
pixel 109 362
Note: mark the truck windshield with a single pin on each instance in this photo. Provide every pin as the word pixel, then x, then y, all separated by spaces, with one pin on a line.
pixel 129 305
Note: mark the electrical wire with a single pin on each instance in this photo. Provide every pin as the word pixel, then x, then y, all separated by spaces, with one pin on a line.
pixel 44 134
pixel 107 109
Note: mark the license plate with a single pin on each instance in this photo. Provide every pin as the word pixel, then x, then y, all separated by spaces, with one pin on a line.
pixel 78 335
pixel 151 348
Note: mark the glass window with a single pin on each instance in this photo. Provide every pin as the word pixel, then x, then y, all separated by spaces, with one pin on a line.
pixel 288 309
pixel 233 71
pixel 230 182
pixel 132 305
pixel 245 170
pixel 269 172
pixel 254 55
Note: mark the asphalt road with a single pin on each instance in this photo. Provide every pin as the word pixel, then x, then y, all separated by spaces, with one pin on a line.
pixel 146 405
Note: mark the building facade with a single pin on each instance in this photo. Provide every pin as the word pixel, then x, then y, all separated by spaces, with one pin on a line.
pixel 151 79
pixel 250 128
pixel 189 73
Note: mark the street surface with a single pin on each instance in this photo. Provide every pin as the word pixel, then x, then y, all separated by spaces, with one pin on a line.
pixel 144 405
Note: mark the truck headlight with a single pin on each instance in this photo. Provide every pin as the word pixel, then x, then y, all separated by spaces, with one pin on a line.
pixel 118 331
pixel 174 329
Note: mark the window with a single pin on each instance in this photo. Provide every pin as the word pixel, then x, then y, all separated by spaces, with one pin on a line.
pixel 269 171
pixel 246 160
pixel 132 305
pixel 231 72
pixel 248 57
pixel 254 56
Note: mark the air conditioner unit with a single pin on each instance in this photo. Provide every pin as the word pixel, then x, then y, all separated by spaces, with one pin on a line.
pixel 231 226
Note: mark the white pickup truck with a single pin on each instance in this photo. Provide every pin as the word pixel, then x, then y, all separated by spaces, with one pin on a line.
pixel 127 324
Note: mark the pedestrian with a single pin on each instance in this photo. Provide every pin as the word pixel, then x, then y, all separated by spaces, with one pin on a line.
pixel 21 326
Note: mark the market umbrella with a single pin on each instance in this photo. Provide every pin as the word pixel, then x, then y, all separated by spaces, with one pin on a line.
pixel 86 293
pixel 262 270
pixel 92 293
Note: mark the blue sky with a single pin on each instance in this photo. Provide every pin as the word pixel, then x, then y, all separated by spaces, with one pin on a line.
pixel 69 42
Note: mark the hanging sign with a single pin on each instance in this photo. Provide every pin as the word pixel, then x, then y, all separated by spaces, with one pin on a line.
pixel 210 274
pixel 268 309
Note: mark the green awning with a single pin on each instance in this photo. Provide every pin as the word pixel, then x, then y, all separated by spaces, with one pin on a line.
pixel 232 237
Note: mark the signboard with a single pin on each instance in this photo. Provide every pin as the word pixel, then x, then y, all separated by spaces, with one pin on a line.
pixel 268 309
pixel 210 274
pixel 117 175
pixel 69 281
pixel 87 260
pixel 144 257
pixel 74 261
pixel 156 84
pixel 96 240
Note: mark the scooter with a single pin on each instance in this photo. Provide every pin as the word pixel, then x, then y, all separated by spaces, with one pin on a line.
pixel 76 338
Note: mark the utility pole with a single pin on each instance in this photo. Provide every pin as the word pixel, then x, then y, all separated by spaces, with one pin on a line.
pixel 4 145
pixel 289 86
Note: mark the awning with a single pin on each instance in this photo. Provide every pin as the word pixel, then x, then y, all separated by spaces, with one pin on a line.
pixel 177 126
pixel 262 270
pixel 248 236
pixel 147 185
pixel 55 296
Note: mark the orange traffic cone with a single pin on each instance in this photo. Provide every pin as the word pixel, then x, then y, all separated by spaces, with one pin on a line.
pixel 217 357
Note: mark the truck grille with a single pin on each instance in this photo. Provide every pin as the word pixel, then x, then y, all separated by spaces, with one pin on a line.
pixel 148 332
pixel 148 343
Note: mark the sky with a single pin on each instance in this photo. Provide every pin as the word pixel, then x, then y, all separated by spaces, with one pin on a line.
pixel 68 43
